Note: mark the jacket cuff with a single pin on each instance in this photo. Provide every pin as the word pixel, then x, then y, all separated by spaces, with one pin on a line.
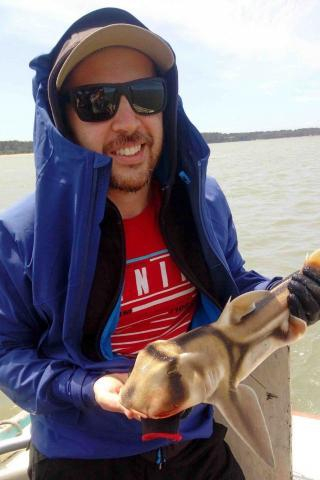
pixel 274 282
pixel 269 284
pixel 75 387
pixel 87 392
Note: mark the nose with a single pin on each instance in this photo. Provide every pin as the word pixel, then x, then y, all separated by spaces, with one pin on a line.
pixel 125 120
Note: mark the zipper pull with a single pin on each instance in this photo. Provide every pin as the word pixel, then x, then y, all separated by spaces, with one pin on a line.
pixel 184 177
pixel 160 459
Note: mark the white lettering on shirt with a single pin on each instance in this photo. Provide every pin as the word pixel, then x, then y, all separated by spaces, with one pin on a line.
pixel 142 281
pixel 164 276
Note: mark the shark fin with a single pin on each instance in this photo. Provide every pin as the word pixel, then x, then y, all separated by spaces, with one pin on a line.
pixel 297 328
pixel 291 330
pixel 241 409
pixel 241 306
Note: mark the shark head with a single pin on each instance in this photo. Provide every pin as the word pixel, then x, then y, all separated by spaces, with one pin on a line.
pixel 159 385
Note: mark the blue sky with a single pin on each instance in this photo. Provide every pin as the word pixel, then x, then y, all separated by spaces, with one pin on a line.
pixel 244 65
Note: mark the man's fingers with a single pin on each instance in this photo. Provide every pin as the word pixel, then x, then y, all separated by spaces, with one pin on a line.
pixel 133 414
pixel 304 297
pixel 110 402
pixel 312 273
pixel 107 389
pixel 295 307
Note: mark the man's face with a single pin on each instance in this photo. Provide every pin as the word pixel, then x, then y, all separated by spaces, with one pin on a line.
pixel 133 141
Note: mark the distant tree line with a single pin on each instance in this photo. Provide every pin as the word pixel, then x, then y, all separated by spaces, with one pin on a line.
pixel 215 137
pixel 15 146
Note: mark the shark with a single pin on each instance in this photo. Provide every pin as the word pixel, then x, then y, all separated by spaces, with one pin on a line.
pixel 208 364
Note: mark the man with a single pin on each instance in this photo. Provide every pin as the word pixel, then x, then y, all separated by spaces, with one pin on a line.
pixel 122 243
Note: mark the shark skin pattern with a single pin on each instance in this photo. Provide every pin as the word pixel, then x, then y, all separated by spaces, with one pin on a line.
pixel 208 364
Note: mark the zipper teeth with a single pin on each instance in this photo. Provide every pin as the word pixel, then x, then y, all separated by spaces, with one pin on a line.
pixel 200 209
pixel 204 229
pixel 91 207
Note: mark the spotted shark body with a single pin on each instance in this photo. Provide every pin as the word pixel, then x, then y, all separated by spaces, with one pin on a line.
pixel 208 364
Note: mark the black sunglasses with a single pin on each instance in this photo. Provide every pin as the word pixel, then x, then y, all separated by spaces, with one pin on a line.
pixel 100 102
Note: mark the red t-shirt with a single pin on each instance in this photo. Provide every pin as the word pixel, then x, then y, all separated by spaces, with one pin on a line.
pixel 158 302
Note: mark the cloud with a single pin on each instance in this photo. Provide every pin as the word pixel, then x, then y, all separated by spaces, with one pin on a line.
pixel 250 54
pixel 256 30
pixel 243 28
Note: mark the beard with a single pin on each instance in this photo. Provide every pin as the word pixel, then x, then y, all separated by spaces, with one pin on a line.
pixel 132 178
pixel 132 181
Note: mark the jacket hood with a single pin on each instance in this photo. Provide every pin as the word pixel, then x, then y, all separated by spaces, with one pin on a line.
pixel 71 188
pixel 47 72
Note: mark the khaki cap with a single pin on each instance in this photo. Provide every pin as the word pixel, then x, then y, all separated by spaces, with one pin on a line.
pixel 82 44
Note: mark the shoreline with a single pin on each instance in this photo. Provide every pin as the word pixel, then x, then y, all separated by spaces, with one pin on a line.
pixel 229 138
pixel 15 154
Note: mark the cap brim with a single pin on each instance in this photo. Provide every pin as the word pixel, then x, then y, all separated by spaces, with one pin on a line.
pixel 122 35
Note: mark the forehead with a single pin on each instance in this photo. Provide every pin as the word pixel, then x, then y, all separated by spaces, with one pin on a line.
pixel 111 65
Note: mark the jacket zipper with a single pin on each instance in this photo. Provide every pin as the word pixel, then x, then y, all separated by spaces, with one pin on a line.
pixel 88 232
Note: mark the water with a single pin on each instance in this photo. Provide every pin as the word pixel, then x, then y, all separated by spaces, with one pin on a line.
pixel 17 178
pixel 273 189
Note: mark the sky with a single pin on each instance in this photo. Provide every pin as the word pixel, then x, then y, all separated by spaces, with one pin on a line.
pixel 244 65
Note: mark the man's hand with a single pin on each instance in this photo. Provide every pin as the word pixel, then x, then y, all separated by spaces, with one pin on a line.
pixel 304 296
pixel 106 390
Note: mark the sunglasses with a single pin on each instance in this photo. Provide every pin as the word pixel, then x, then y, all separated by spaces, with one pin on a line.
pixel 100 102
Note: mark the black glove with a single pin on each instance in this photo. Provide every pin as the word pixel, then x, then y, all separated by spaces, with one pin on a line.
pixel 304 296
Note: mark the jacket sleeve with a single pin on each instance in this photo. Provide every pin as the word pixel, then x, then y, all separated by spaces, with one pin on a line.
pixel 36 384
pixel 221 216
pixel 246 280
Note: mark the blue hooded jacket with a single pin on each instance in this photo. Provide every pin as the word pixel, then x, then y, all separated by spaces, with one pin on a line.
pixel 54 340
